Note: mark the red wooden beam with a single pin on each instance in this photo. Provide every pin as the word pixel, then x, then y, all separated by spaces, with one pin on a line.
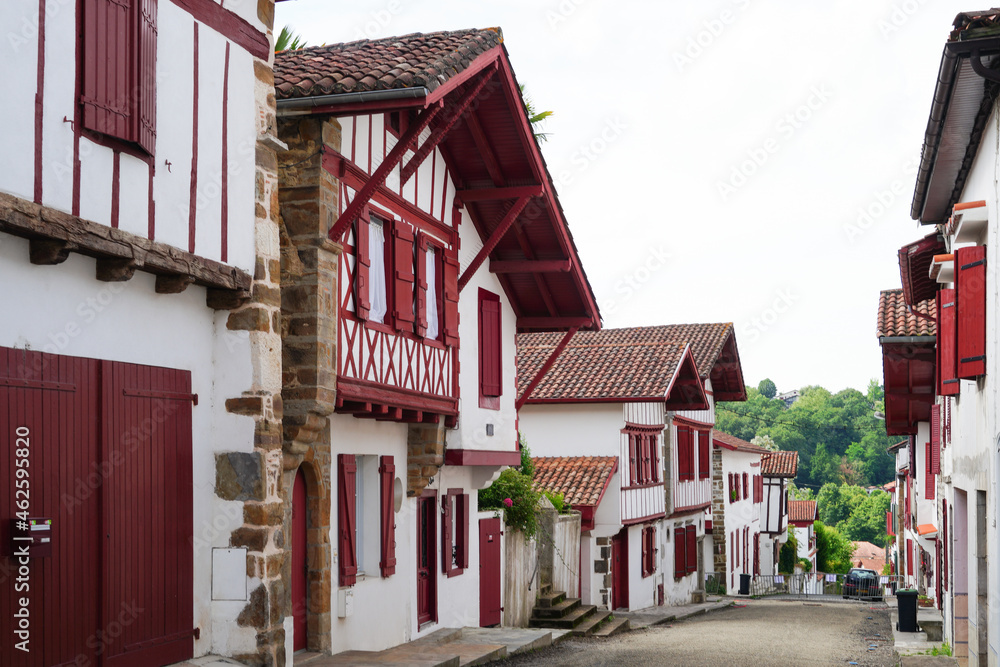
pixel 440 132
pixel 532 266
pixel 543 287
pixel 491 242
pixel 545 368
pixel 487 194
pixel 553 323
pixel 378 178
pixel 485 150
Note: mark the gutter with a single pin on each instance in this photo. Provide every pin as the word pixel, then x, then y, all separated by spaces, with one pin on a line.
pixel 291 105
pixel 907 339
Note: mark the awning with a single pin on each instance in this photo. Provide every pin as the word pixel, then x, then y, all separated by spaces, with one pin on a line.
pixel 915 260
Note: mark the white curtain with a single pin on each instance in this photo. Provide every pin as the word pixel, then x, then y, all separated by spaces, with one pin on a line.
pixel 432 301
pixel 376 272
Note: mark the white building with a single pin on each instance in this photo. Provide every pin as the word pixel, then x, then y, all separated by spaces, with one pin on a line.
pixel 139 361
pixel 636 394
pixel 801 517
pixel 776 468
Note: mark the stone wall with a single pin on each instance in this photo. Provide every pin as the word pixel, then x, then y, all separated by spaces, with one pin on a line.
pixel 720 562
pixel 255 477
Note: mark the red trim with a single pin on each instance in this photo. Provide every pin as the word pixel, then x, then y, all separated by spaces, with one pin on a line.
pixel 193 201
pixel 491 243
pixel 482 457
pixel 691 422
pixel 39 98
pixel 77 113
pixel 691 509
pixel 151 223
pixel 545 368
pixel 115 188
pixel 642 486
pixel 224 185
pixel 602 399
pixel 231 26
pixel 650 517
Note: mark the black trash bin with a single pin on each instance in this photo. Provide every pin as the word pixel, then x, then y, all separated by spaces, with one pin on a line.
pixel 744 584
pixel 907 606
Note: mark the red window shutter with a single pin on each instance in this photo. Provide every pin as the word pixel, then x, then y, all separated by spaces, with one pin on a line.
pixel 420 287
pixel 647 459
pixel 446 541
pixel 746 550
pixel 654 448
pixel 685 435
pixel 347 469
pixel 703 458
pixel 692 549
pixel 146 77
pixel 970 288
pixel 929 477
pixel 888 524
pixel 462 530
pixel 402 257
pixel 756 553
pixel 948 384
pixel 944 536
pixel 387 481
pixel 935 439
pixel 732 551
pixel 362 265
pixel 652 549
pixel 746 491
pixel 108 44
pixel 736 486
pixel 909 557
pixel 490 345
pixel 633 460
pixel 450 314
pixel 644 558
pixel 680 553
pixel 732 489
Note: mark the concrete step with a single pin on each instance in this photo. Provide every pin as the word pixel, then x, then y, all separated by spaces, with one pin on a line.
pixel 613 627
pixel 569 621
pixel 387 659
pixel 550 598
pixel 557 610
pixel 591 623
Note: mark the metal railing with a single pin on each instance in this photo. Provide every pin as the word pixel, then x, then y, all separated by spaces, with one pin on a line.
pixel 809 584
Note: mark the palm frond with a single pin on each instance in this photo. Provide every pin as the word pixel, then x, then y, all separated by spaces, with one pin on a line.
pixel 288 41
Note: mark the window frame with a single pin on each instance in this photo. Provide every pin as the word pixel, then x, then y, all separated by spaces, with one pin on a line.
pixel 490 401
pixel 455 510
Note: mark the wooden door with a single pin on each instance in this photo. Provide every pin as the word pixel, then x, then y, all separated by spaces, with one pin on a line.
pixel 299 527
pixel 426 572
pixel 489 572
pixel 619 570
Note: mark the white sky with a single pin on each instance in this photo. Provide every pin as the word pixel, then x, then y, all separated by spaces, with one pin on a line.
pixel 657 103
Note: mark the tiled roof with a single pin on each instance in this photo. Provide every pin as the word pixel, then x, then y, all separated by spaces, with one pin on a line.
pixel 581 479
pixel 410 61
pixel 779 464
pixel 971 25
pixel 612 363
pixel 801 510
pixel 733 442
pixel 895 318
pixel 869 556
pixel 926 529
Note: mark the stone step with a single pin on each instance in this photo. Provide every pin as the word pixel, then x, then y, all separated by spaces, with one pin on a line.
pixel 591 623
pixel 557 610
pixel 387 659
pixel 613 627
pixel 550 598
pixel 544 589
pixel 569 621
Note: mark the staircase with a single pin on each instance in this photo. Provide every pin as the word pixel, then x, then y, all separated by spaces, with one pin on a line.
pixel 554 610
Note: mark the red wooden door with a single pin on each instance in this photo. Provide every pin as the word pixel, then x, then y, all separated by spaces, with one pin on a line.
pixel 110 464
pixel 426 574
pixel 47 407
pixel 619 570
pixel 489 572
pixel 299 526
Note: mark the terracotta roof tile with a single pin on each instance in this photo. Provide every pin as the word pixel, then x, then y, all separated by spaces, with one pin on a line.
pixel 801 510
pixel 633 362
pixel 410 61
pixel 780 464
pixel 733 442
pixel 581 479
pixel 868 556
pixel 972 25
pixel 895 318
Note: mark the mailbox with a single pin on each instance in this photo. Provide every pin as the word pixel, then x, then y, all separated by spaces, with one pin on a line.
pixel 31 537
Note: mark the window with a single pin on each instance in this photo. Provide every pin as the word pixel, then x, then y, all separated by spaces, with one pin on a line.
pixel 948 383
pixel 643 454
pixel 685 452
pixel 377 283
pixel 746 490
pixel 685 551
pixel 736 486
pixel 118 71
pixel 704 467
pixel 366 499
pixel 490 351
pixel 455 533
pixel 432 328
pixel 648 550
pixel 732 489
pixel 929 482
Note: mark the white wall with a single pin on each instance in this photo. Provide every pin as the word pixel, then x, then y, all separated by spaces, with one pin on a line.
pixel 129 322
pixel 574 429
pixel 741 514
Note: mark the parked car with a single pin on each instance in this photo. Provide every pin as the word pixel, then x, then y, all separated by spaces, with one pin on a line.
pixel 862 583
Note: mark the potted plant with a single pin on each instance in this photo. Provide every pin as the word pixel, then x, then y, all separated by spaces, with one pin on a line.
pixel 924 601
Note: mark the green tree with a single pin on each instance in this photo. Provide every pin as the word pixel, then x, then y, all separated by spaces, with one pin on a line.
pixel 288 41
pixel 788 555
pixel 833 550
pixel 866 522
pixel 767 388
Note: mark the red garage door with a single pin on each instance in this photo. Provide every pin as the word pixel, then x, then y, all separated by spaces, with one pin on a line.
pixel 106 448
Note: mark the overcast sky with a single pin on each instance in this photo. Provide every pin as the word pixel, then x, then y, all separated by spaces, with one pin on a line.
pixel 742 161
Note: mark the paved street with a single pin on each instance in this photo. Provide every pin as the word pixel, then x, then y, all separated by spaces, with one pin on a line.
pixel 759 634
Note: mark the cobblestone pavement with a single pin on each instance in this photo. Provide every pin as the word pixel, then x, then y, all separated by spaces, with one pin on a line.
pixel 755 633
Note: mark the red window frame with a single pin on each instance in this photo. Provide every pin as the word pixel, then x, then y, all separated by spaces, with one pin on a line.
pixel 643 443
pixel 704 465
pixel 490 350
pixel 425 243
pixel 454 532
pixel 648 550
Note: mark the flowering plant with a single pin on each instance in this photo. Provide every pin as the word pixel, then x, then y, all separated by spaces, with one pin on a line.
pixel 507 502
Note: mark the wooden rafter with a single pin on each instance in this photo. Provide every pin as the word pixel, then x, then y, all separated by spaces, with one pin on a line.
pixel 487 194
pixel 543 287
pixel 551 323
pixel 454 112
pixel 492 241
pixel 362 197
pixel 545 367
pixel 532 266
pixel 485 150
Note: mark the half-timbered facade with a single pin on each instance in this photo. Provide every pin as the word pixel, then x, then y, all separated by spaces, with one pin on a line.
pixel 636 394
pixel 139 352
pixel 776 468
pixel 801 517
pixel 421 232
